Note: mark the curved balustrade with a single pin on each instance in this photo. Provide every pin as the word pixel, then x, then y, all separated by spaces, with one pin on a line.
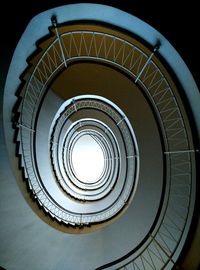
pixel 101 200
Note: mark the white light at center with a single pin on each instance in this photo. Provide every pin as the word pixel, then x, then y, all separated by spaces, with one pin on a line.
pixel 87 159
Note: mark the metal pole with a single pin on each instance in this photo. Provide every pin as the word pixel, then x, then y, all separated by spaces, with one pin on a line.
pixel 147 62
pixel 25 127
pixel 54 23
pixel 180 151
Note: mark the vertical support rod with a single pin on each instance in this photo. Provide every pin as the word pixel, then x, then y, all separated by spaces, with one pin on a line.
pixel 54 23
pixel 180 151
pixel 156 48
pixel 25 127
pixel 74 103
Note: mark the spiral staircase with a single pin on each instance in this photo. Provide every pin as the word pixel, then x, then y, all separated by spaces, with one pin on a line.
pixel 91 85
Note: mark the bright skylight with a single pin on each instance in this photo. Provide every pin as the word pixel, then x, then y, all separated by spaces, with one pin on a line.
pixel 87 159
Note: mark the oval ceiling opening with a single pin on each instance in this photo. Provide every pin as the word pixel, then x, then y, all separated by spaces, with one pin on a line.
pixel 87 159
